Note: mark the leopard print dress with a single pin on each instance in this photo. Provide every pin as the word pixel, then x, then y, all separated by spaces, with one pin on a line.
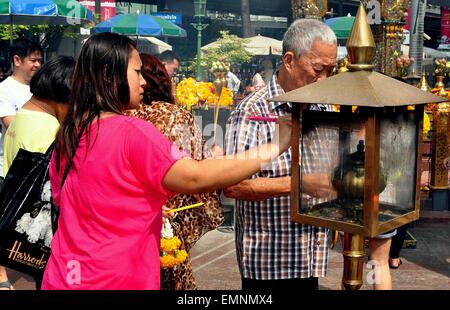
pixel 179 126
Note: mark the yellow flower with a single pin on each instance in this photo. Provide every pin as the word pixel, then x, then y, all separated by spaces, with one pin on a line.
pixel 426 125
pixel 168 261
pixel 186 93
pixel 189 93
pixel 170 245
pixel 181 256
pixel 226 97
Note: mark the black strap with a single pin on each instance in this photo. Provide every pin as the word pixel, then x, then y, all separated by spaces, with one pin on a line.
pixel 48 153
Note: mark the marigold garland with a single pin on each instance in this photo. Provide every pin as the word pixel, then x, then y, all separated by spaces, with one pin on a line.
pixel 169 245
pixel 170 261
pixel 191 93
pixel 171 255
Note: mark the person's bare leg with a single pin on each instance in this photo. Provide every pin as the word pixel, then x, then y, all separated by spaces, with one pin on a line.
pixel 379 252
pixel 4 278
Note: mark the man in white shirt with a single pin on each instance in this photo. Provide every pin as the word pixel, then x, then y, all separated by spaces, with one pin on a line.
pixel 26 57
pixel 233 83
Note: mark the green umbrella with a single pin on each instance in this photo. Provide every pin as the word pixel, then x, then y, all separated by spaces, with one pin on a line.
pixel 140 25
pixel 341 26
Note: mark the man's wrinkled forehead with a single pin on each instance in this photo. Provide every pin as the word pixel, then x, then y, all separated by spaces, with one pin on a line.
pixel 324 59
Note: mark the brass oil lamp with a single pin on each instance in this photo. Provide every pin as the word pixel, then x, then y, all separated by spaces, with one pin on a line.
pixel 348 181
pixel 364 164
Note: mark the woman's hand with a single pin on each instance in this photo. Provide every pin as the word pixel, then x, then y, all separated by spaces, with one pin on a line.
pixel 165 212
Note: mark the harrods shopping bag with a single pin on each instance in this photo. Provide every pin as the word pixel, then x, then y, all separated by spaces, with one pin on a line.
pixel 28 216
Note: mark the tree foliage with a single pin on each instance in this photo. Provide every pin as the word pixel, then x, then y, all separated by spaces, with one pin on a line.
pixel 230 48
pixel 5 31
pixel 44 34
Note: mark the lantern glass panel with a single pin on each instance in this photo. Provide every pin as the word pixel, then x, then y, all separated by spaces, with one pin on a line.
pixel 398 160
pixel 332 166
pixel 199 8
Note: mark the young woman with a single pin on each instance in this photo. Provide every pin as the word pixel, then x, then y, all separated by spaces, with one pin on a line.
pixel 111 175
pixel 179 126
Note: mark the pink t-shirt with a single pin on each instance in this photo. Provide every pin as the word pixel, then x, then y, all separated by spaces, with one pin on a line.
pixel 110 219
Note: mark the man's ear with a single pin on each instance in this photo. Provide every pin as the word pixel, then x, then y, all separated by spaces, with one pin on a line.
pixel 16 60
pixel 288 59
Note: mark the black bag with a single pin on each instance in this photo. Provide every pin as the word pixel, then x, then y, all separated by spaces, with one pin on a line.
pixel 28 216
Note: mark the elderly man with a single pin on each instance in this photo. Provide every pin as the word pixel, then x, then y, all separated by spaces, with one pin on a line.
pixel 272 251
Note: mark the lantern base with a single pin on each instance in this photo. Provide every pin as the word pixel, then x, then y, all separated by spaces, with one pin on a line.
pixel 350 210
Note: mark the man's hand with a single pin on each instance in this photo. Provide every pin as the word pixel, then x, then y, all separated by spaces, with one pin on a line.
pixel 317 185
pixel 259 189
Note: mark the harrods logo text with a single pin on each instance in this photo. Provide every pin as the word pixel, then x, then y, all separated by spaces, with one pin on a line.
pixel 24 257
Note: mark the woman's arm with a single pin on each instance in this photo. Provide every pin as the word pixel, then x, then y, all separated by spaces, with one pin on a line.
pixel 189 176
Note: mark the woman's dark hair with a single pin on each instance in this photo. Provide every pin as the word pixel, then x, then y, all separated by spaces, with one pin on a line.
pixel 159 84
pixel 99 84
pixel 53 80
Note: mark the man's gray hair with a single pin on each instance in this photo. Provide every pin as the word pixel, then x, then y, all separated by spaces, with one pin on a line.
pixel 302 33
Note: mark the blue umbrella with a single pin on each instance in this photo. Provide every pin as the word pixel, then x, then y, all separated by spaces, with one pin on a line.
pixel 140 25
pixel 39 12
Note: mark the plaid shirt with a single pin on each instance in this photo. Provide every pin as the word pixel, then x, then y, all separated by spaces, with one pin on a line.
pixel 269 246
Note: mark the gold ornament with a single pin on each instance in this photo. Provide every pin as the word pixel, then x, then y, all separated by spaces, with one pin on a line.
pixel 315 9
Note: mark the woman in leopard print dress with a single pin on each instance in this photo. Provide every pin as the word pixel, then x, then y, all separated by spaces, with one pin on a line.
pixel 179 126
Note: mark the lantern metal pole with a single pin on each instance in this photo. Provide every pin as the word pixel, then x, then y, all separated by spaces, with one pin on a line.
pixel 200 12
pixel 199 27
pixel 353 253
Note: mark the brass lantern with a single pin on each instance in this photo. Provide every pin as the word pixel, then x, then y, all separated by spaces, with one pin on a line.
pixel 357 171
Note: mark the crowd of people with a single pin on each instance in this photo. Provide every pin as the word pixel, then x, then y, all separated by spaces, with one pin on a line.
pixel 125 154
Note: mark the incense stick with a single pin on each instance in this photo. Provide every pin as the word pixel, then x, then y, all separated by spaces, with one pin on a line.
pixel 262 119
pixel 216 118
pixel 186 207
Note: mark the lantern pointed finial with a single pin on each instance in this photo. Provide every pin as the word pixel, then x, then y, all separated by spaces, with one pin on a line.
pixel 360 44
